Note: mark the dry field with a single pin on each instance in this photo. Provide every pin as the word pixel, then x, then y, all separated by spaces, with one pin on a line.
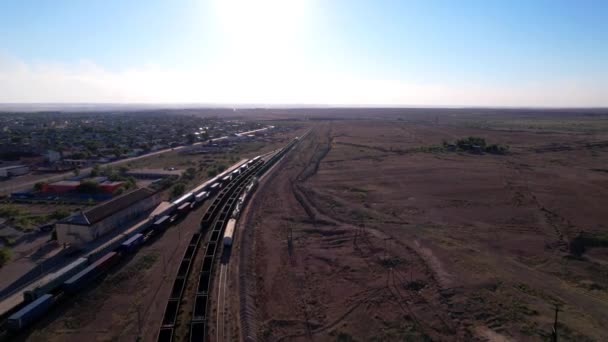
pixel 368 233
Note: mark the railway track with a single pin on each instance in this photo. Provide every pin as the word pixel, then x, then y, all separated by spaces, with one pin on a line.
pixel 212 224
pixel 214 218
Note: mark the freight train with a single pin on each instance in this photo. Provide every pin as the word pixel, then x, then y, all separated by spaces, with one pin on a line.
pixel 83 271
pixel 230 231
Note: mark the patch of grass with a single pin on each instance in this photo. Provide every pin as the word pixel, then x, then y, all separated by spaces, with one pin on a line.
pixel 344 337
pixel 5 255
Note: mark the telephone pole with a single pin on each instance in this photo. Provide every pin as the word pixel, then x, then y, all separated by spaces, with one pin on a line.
pixel 554 334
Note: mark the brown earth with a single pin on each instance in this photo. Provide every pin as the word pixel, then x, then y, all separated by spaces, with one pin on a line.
pixel 367 232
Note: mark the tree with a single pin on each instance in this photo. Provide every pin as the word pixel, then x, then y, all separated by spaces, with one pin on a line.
pixel 5 256
pixel 189 174
pixel 178 190
pixel 95 171
pixel 39 186
pixel 190 138
pixel 212 172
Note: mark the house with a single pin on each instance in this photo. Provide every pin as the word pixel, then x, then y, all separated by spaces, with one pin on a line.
pixel 87 226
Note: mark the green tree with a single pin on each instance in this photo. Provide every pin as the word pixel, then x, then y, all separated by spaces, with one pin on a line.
pixel 96 171
pixel 5 256
pixel 38 186
pixel 191 138
pixel 189 174
pixel 212 172
pixel 178 190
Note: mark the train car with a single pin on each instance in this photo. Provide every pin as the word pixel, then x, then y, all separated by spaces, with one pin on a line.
pixel 201 197
pixel 214 188
pixel 84 277
pixel 184 208
pixel 229 232
pixel 30 312
pixel 132 244
pixel 236 172
pixel 161 223
pixel 185 198
pixel 53 280
pixel 226 179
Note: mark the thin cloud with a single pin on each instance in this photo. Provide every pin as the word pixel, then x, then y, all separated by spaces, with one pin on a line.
pixel 86 82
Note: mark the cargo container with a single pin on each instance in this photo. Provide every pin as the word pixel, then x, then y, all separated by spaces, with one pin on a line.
pixel 229 232
pixel 185 198
pixel 30 312
pixel 201 197
pixel 132 244
pixel 53 280
pixel 184 207
pixel 82 278
pixel 161 223
pixel 214 187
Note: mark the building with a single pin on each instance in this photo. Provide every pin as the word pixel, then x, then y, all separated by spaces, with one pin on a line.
pixel 84 227
pixel 72 185
pixel 61 187
pixel 110 187
pixel 52 156
pixel 14 170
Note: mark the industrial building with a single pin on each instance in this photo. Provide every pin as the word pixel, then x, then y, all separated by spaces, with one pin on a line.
pixel 72 186
pixel 84 227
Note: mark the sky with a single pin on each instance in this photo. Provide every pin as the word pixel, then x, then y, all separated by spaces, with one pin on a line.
pixel 517 53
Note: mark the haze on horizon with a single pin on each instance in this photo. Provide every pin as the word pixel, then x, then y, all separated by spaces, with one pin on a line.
pixel 342 52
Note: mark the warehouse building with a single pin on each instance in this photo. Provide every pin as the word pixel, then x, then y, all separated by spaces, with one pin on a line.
pixel 84 227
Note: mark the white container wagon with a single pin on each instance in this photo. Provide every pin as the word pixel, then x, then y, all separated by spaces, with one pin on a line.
pixel 229 232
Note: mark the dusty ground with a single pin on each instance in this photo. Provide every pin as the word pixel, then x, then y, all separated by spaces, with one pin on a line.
pixel 392 241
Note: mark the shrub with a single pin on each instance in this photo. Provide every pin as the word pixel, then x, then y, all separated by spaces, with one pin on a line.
pixel 59 214
pixel 5 256
pixel 178 190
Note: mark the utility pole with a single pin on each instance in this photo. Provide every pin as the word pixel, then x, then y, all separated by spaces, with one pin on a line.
pixel 554 334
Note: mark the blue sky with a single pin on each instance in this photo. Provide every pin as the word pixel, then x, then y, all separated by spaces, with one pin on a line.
pixel 497 53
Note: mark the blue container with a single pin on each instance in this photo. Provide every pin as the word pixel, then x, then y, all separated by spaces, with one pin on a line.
pixel 161 223
pixel 132 244
pixel 85 276
pixel 53 280
pixel 30 312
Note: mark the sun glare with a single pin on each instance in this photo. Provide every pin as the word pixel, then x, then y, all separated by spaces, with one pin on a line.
pixel 260 23
pixel 260 36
